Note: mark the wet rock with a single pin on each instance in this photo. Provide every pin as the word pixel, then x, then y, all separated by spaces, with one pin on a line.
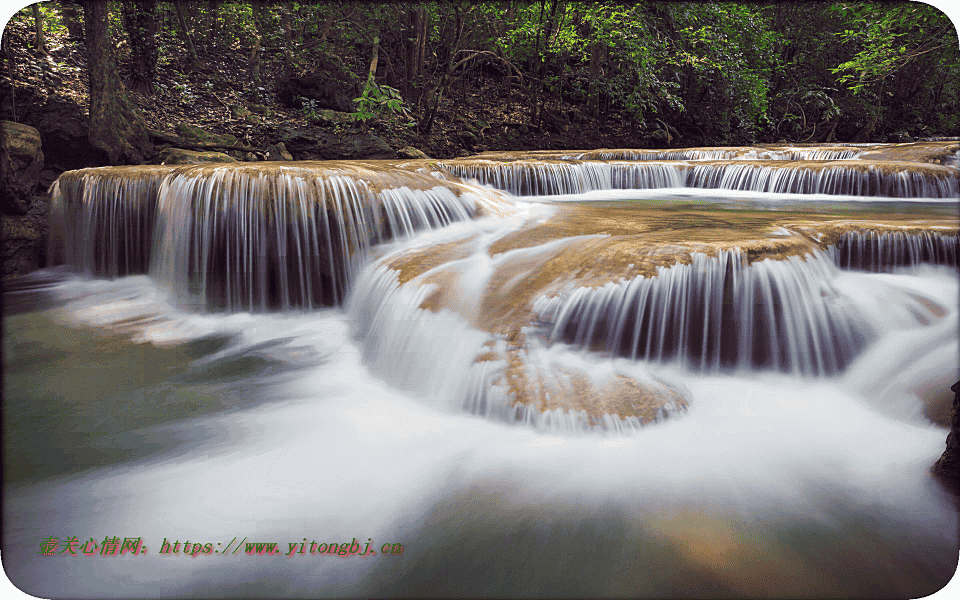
pixel 947 468
pixel 21 161
pixel 178 156
pixel 317 144
pixel 23 240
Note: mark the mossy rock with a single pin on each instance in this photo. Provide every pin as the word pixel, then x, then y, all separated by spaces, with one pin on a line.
pixel 468 138
pixel 411 152
pixel 331 117
pixel 178 156
pixel 196 134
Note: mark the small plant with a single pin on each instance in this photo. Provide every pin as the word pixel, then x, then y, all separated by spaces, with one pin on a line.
pixel 379 100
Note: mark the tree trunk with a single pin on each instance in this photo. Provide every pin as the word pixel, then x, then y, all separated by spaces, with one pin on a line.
pixel 116 125
pixel 592 92
pixel 186 33
pixel 414 47
pixel 39 44
pixel 287 25
pixel 8 62
pixel 255 52
pixel 71 19
pixel 140 22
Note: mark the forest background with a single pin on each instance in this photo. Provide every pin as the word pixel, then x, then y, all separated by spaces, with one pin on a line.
pixel 366 79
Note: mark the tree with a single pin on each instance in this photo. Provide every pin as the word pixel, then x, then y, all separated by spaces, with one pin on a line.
pixel 140 22
pixel 116 125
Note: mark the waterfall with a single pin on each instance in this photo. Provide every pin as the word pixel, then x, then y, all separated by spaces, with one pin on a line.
pixel 537 178
pixel 884 251
pixel 534 178
pixel 102 220
pixel 718 313
pixel 249 237
pixel 890 179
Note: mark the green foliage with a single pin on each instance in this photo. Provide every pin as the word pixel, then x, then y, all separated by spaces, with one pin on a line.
pixel 725 72
pixel 889 38
pixel 379 101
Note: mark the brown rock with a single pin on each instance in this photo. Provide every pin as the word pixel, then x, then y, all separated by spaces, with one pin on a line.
pixel 23 240
pixel 21 161
pixel 178 156
pixel 947 468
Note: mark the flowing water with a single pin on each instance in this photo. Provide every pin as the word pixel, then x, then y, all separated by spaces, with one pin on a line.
pixel 600 386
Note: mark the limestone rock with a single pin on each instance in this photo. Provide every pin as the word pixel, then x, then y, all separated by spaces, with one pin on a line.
pixel 468 138
pixel 330 86
pixel 331 117
pixel 411 152
pixel 23 240
pixel 317 144
pixel 21 161
pixel 178 156
pixel 65 135
pixel 278 152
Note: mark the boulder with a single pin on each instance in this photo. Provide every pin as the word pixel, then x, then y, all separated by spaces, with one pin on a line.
pixel 278 152
pixel 468 138
pixel 21 161
pixel 65 135
pixel 947 468
pixel 410 152
pixel 23 240
pixel 331 117
pixel 331 86
pixel 318 144
pixel 178 156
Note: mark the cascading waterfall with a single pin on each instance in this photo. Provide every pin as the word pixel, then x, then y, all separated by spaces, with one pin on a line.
pixel 245 239
pixel 653 155
pixel 718 313
pixel 103 219
pixel 241 237
pixel 884 251
pixel 738 153
pixel 486 380
pixel 897 181
pixel 533 178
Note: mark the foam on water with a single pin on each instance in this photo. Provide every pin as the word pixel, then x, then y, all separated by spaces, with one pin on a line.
pixel 334 453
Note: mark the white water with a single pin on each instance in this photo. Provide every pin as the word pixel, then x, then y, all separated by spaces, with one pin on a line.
pixel 770 483
pixel 335 453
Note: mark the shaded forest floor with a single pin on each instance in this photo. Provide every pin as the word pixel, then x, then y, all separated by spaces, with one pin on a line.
pixel 218 93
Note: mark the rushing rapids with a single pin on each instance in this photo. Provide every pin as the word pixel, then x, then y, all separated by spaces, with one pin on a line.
pixel 738 385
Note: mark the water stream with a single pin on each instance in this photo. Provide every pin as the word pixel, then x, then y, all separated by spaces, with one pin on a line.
pixel 621 391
